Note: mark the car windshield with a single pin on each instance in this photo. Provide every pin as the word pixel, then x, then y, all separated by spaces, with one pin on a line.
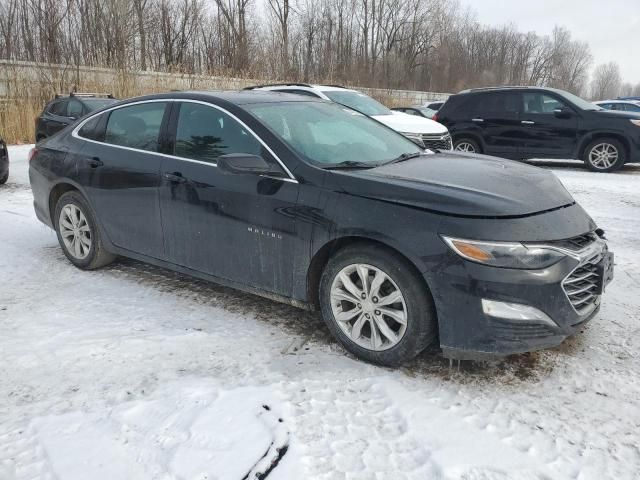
pixel 579 102
pixel 358 101
pixel 96 103
pixel 326 134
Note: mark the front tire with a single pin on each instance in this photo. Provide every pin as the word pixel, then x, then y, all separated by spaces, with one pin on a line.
pixel 605 155
pixel 376 305
pixel 466 145
pixel 78 233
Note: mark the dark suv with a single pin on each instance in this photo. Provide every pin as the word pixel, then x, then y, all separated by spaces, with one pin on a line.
pixel 532 122
pixel 66 109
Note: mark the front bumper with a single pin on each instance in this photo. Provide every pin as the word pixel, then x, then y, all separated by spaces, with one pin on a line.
pixel 566 299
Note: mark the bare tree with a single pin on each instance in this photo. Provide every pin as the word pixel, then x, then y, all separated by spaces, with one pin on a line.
pixel 606 81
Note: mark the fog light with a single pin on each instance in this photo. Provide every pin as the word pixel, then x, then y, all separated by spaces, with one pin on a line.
pixel 515 312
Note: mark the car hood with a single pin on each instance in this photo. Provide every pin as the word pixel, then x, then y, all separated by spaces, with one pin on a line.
pixel 401 122
pixel 617 114
pixel 461 184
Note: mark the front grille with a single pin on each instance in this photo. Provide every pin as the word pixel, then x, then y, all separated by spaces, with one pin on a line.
pixel 581 286
pixel 437 142
pixel 579 242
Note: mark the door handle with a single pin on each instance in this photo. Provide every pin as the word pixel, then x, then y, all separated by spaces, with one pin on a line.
pixel 175 177
pixel 528 122
pixel 95 162
pixel 477 120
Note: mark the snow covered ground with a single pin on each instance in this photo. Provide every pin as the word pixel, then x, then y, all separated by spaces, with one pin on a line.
pixel 134 372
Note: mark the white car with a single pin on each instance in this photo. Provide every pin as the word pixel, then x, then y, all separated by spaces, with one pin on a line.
pixel 423 131
pixel 620 105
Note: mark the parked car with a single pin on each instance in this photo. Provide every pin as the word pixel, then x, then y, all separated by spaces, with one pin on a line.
pixel 306 202
pixel 635 99
pixel 620 105
pixel 64 110
pixel 533 122
pixel 417 111
pixel 423 131
pixel 434 105
pixel 4 162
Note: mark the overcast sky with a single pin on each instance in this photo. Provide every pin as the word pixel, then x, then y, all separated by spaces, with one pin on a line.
pixel 611 27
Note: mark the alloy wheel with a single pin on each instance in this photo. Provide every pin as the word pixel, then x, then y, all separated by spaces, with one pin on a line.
pixel 75 231
pixel 368 307
pixel 465 147
pixel 603 156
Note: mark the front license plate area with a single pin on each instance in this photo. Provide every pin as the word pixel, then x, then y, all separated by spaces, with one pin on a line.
pixel 605 272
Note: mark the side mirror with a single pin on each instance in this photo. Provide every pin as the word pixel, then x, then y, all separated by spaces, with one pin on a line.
pixel 245 163
pixel 564 112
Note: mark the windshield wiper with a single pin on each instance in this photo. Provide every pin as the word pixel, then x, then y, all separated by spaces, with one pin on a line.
pixel 350 164
pixel 405 156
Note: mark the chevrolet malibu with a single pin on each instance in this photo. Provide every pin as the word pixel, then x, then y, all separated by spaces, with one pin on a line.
pixel 311 203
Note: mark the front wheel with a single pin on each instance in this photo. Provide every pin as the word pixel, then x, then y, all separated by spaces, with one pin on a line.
pixel 78 233
pixel 376 305
pixel 604 155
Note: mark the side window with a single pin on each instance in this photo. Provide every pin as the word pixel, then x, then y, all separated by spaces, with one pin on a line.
pixel 204 133
pixel 74 108
pixel 497 103
pixel 137 126
pixel 59 108
pixel 606 106
pixel 410 111
pixel 90 129
pixel 541 103
pixel 632 108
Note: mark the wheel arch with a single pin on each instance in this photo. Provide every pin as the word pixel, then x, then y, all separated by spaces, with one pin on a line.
pixel 601 135
pixel 324 253
pixel 471 136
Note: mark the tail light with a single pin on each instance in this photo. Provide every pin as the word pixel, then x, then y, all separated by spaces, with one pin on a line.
pixel 32 153
pixel 435 117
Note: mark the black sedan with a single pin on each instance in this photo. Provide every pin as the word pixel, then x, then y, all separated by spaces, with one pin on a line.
pixel 316 205
pixel 4 162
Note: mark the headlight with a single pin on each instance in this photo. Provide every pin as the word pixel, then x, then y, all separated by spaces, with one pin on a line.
pixel 505 255
pixel 635 122
pixel 414 137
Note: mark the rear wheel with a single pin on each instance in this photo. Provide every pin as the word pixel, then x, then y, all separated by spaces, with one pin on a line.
pixel 466 145
pixel 78 233
pixel 376 305
pixel 605 155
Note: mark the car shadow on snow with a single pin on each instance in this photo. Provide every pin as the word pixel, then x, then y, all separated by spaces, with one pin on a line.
pixel 309 330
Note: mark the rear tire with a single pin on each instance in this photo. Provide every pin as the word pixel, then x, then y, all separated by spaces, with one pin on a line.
pixel 605 155
pixel 387 334
pixel 466 145
pixel 78 233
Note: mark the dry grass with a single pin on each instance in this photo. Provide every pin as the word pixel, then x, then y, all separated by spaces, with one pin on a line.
pixel 28 87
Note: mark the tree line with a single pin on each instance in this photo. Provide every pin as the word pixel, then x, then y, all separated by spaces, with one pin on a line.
pixel 430 45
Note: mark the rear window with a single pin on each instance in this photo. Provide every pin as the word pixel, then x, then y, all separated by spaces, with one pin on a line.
pixel 136 126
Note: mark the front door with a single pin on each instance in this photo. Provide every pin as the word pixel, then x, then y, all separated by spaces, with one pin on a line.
pixel 545 133
pixel 122 174
pixel 236 227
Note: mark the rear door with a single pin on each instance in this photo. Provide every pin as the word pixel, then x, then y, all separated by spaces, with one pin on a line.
pixel 496 114
pixel 120 167
pixel 237 227
pixel 544 133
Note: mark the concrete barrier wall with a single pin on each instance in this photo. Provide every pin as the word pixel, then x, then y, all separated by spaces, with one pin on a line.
pixel 32 80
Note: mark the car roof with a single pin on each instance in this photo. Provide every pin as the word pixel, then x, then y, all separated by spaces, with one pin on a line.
pixel 507 88
pixel 302 86
pixel 238 97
